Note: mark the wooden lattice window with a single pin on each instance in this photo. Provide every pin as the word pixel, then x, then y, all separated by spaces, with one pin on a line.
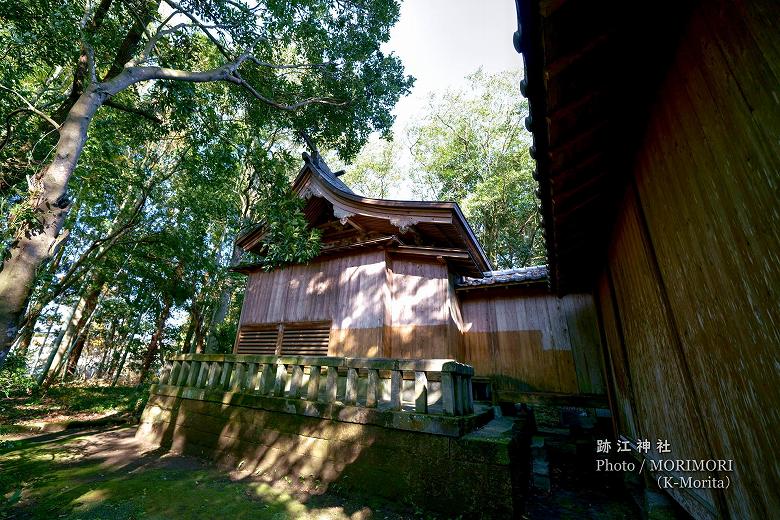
pixel 309 338
pixel 257 339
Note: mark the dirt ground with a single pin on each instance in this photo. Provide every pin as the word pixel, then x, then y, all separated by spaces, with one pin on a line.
pixel 50 470
pixel 109 475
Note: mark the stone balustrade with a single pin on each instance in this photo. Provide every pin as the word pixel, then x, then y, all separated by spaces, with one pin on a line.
pixel 427 386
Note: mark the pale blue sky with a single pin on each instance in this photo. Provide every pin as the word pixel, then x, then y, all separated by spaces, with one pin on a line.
pixel 442 41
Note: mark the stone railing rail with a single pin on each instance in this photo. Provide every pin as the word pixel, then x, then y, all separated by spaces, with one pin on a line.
pixel 285 377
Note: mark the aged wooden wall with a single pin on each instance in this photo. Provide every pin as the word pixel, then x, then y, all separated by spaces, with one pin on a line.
pixel 347 290
pixel 379 306
pixel 690 299
pixel 529 340
pixel 423 314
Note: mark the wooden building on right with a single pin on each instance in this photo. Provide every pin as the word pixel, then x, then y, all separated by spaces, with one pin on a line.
pixel 657 140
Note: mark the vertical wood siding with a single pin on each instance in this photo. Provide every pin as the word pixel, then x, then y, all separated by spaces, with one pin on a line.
pixel 534 341
pixel 346 290
pixel 695 255
pixel 421 315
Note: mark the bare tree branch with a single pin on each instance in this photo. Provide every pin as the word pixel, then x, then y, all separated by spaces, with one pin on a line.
pixel 236 78
pixel 203 27
pixel 31 108
pixel 91 62
pixel 133 110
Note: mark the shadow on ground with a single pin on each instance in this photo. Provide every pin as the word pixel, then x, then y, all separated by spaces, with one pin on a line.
pixel 108 474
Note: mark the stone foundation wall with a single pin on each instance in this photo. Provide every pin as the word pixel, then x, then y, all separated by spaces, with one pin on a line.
pixel 478 475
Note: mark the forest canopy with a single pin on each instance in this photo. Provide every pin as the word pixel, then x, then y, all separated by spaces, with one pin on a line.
pixel 469 146
pixel 138 137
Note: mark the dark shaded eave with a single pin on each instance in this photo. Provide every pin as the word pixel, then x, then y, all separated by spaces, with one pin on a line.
pixel 590 78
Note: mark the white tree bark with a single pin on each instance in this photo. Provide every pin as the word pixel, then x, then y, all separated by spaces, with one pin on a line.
pixel 63 339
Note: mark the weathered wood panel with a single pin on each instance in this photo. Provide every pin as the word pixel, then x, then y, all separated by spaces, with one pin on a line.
pixel 708 183
pixel 345 290
pixel 623 393
pixel 533 341
pixel 665 407
pixel 421 314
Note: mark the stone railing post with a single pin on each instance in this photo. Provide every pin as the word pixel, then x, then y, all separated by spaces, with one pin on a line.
pixel 280 381
pixel 372 388
pixel 268 376
pixel 396 387
pixel 214 373
pixel 238 377
pixel 330 384
pixel 447 393
pixel 313 392
pixel 296 381
pixel 174 374
pixel 420 392
pixel 250 379
pixel 350 395
pixel 166 373
pixel 194 373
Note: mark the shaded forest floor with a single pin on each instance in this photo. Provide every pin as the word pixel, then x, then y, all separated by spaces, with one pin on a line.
pixel 65 406
pixel 50 468
pixel 108 474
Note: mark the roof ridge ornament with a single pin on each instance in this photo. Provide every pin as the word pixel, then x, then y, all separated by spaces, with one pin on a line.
pixel 342 214
pixel 404 223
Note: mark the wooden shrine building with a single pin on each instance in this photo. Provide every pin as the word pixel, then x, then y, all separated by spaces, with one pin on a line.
pixel 656 135
pixel 657 140
pixel 409 280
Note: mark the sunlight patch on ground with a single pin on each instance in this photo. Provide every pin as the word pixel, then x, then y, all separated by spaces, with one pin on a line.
pixel 109 475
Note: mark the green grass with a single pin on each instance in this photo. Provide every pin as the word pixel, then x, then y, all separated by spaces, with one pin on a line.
pixel 73 476
pixel 53 480
pixel 71 400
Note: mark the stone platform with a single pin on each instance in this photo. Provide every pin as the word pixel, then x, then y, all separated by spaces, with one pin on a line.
pixel 396 455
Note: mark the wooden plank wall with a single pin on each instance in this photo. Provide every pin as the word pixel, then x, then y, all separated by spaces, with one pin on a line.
pixel 652 355
pixel 693 329
pixel 347 290
pixel 422 319
pixel 533 341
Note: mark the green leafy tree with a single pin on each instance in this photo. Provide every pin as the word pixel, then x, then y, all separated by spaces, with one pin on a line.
pixel 376 171
pixel 470 147
pixel 312 66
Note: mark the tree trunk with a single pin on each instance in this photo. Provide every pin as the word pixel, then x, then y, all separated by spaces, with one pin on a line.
pixel 224 302
pixel 49 197
pixel 23 345
pixel 102 365
pixel 35 308
pixel 114 362
pixel 186 346
pixel 34 244
pixel 75 353
pixel 121 365
pixel 83 328
pixel 65 335
pixel 66 347
pixel 108 350
pixel 197 327
pixel 128 340
pixel 154 343
pixel 43 346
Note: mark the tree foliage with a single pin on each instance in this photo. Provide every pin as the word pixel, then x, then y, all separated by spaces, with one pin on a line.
pixel 469 147
pixel 376 171
pixel 198 108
